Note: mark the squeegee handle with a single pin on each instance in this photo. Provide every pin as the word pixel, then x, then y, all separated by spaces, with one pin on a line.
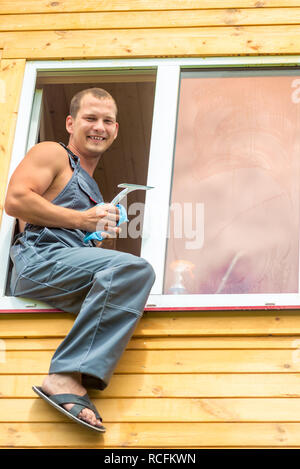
pixel 119 197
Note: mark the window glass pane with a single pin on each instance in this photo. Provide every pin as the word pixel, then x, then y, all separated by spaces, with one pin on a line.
pixel 234 214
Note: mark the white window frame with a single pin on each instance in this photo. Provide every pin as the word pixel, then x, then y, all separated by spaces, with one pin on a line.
pixel 156 216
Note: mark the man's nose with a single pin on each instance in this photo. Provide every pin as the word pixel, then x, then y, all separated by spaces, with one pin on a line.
pixel 99 125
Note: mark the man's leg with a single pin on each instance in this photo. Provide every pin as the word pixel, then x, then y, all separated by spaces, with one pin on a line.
pixel 107 290
pixel 112 307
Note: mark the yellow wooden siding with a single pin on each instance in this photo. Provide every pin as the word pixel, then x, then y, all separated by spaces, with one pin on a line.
pixel 186 380
pixel 149 19
pixel 57 6
pixel 11 77
pixel 143 28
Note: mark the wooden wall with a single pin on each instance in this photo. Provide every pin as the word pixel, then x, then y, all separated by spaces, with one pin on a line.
pixel 11 76
pixel 186 380
pixel 226 379
pixel 147 28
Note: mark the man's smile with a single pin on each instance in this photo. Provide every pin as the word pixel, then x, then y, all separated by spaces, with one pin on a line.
pixel 96 137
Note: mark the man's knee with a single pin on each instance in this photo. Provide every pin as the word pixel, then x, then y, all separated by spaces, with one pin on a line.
pixel 129 267
pixel 135 270
pixel 141 266
pixel 147 270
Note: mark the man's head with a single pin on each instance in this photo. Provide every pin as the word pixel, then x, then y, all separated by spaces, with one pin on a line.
pixel 92 122
pixel 96 92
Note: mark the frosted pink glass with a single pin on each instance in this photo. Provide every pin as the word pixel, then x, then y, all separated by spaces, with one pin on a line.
pixel 237 153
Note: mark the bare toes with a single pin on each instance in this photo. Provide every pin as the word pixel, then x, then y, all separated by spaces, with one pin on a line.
pixel 88 417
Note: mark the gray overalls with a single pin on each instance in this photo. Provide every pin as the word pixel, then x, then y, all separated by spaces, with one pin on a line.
pixel 106 289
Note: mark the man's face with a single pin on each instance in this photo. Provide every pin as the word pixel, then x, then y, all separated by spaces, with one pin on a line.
pixel 94 128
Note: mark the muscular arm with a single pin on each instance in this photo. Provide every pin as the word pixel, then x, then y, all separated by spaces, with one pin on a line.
pixel 34 180
pixel 31 180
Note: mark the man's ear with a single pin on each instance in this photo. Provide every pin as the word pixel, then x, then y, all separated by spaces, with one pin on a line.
pixel 69 124
pixel 117 130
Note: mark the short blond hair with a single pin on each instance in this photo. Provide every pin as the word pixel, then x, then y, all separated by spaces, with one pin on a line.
pixel 96 92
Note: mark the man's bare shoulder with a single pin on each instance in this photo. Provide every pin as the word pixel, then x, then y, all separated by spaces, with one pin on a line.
pixel 48 153
pixel 43 165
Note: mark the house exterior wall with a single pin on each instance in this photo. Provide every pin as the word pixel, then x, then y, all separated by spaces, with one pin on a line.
pixel 187 380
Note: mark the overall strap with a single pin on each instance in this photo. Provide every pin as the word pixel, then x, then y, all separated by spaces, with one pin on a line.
pixel 74 160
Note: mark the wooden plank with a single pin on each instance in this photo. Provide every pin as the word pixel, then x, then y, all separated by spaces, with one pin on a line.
pixel 150 435
pixel 44 6
pixel 214 343
pixel 35 325
pixel 149 19
pixel 162 410
pixel 158 361
pixel 30 344
pixel 162 324
pixel 172 385
pixel 174 42
pixel 218 323
pixel 46 78
pixel 171 343
pixel 11 77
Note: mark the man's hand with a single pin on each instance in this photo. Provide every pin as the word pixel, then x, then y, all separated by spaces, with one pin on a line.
pixel 103 218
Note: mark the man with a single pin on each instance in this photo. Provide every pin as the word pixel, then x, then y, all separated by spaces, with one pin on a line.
pixel 53 190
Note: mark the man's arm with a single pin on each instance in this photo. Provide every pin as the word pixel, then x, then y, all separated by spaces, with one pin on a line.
pixel 38 173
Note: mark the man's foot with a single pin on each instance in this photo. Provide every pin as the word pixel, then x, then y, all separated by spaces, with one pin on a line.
pixel 69 383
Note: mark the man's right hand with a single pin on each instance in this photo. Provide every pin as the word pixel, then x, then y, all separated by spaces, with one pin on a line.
pixel 103 218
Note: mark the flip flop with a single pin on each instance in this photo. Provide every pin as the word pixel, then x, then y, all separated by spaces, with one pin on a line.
pixel 81 402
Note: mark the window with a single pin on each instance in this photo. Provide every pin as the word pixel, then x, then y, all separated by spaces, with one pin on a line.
pixel 234 225
pixel 125 161
pixel 219 140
